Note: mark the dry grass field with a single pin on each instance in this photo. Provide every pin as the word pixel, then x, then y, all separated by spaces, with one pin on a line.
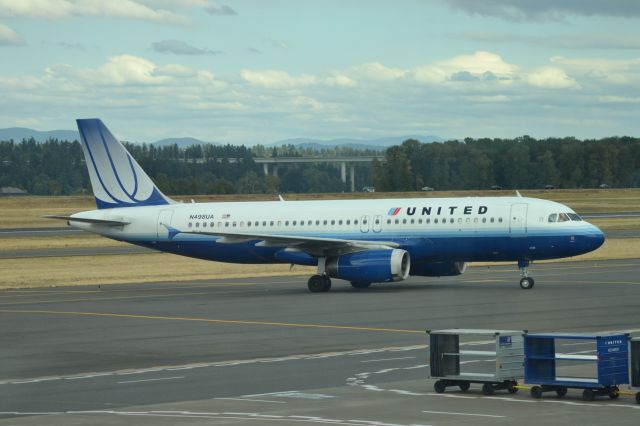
pixel 115 269
pixel 27 212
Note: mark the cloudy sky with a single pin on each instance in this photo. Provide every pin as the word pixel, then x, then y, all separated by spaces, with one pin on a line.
pixel 252 71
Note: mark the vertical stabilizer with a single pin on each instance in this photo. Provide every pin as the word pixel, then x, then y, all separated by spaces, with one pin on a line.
pixel 116 178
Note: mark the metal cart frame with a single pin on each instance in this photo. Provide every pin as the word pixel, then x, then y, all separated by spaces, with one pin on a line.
pixel 445 354
pixel 611 358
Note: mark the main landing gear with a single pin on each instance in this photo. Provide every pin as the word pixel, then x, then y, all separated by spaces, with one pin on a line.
pixel 526 282
pixel 320 283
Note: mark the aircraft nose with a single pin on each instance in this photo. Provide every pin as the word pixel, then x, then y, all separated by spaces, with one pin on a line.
pixel 595 237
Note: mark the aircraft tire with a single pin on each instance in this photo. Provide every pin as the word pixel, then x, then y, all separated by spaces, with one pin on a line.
pixel 319 284
pixel 527 283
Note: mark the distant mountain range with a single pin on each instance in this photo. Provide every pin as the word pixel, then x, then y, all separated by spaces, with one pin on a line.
pixel 182 142
pixel 19 133
pixel 375 144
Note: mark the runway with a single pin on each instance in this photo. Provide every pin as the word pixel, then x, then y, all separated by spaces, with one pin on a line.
pixel 265 351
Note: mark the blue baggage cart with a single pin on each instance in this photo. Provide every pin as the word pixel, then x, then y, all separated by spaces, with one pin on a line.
pixel 609 363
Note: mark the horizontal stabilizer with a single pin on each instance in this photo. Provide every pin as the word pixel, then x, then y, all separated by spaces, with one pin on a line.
pixel 107 222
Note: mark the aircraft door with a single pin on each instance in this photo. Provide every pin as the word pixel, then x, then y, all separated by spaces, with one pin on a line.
pixel 164 220
pixel 377 223
pixel 518 220
pixel 364 224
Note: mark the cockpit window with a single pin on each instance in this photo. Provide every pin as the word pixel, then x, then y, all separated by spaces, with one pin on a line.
pixel 562 217
pixel 575 217
pixel 553 217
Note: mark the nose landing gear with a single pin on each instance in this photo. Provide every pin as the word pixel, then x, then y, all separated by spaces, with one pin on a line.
pixel 526 282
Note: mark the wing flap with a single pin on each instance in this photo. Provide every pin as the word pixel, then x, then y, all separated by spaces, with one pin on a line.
pixel 315 246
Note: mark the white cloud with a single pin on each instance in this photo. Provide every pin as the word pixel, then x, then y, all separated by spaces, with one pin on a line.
pixel 551 78
pixel 477 63
pixel 59 9
pixel 428 74
pixel 8 37
pixel 223 9
pixel 127 71
pixel 123 70
pixel 614 71
pixel 479 66
pixel 174 70
pixel 377 71
pixel 274 79
pixel 179 47
pixel 481 91
pixel 547 9
pixel 339 80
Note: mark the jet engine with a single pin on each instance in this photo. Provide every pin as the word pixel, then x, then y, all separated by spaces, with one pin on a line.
pixel 370 266
pixel 438 269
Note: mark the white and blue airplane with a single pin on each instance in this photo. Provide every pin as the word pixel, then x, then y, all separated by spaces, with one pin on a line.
pixel 360 241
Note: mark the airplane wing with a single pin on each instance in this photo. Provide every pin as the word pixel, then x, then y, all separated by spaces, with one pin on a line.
pixel 315 246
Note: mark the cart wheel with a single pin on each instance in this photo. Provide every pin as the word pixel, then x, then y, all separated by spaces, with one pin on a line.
pixel 512 388
pixel 638 397
pixel 614 392
pixel 487 389
pixel 536 392
pixel 561 391
pixel 464 386
pixel 588 395
pixel 439 386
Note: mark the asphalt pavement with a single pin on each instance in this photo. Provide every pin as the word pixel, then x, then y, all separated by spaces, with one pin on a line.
pixel 266 351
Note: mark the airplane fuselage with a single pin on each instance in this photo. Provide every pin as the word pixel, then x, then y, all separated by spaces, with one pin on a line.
pixel 430 229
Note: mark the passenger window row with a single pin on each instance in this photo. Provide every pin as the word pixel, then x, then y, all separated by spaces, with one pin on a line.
pixel 445 220
pixel 334 222
pixel 271 223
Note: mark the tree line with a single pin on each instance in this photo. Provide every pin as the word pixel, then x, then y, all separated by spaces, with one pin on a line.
pixel 57 167
pixel 520 163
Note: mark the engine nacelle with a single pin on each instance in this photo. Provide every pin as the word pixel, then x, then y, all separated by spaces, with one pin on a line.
pixel 370 266
pixel 438 269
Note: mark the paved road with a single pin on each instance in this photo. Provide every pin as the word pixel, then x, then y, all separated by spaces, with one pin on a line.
pixel 265 351
pixel 73 251
pixel 610 214
pixel 39 232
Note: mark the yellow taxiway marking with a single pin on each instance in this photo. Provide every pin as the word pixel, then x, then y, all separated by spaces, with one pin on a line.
pixel 212 321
